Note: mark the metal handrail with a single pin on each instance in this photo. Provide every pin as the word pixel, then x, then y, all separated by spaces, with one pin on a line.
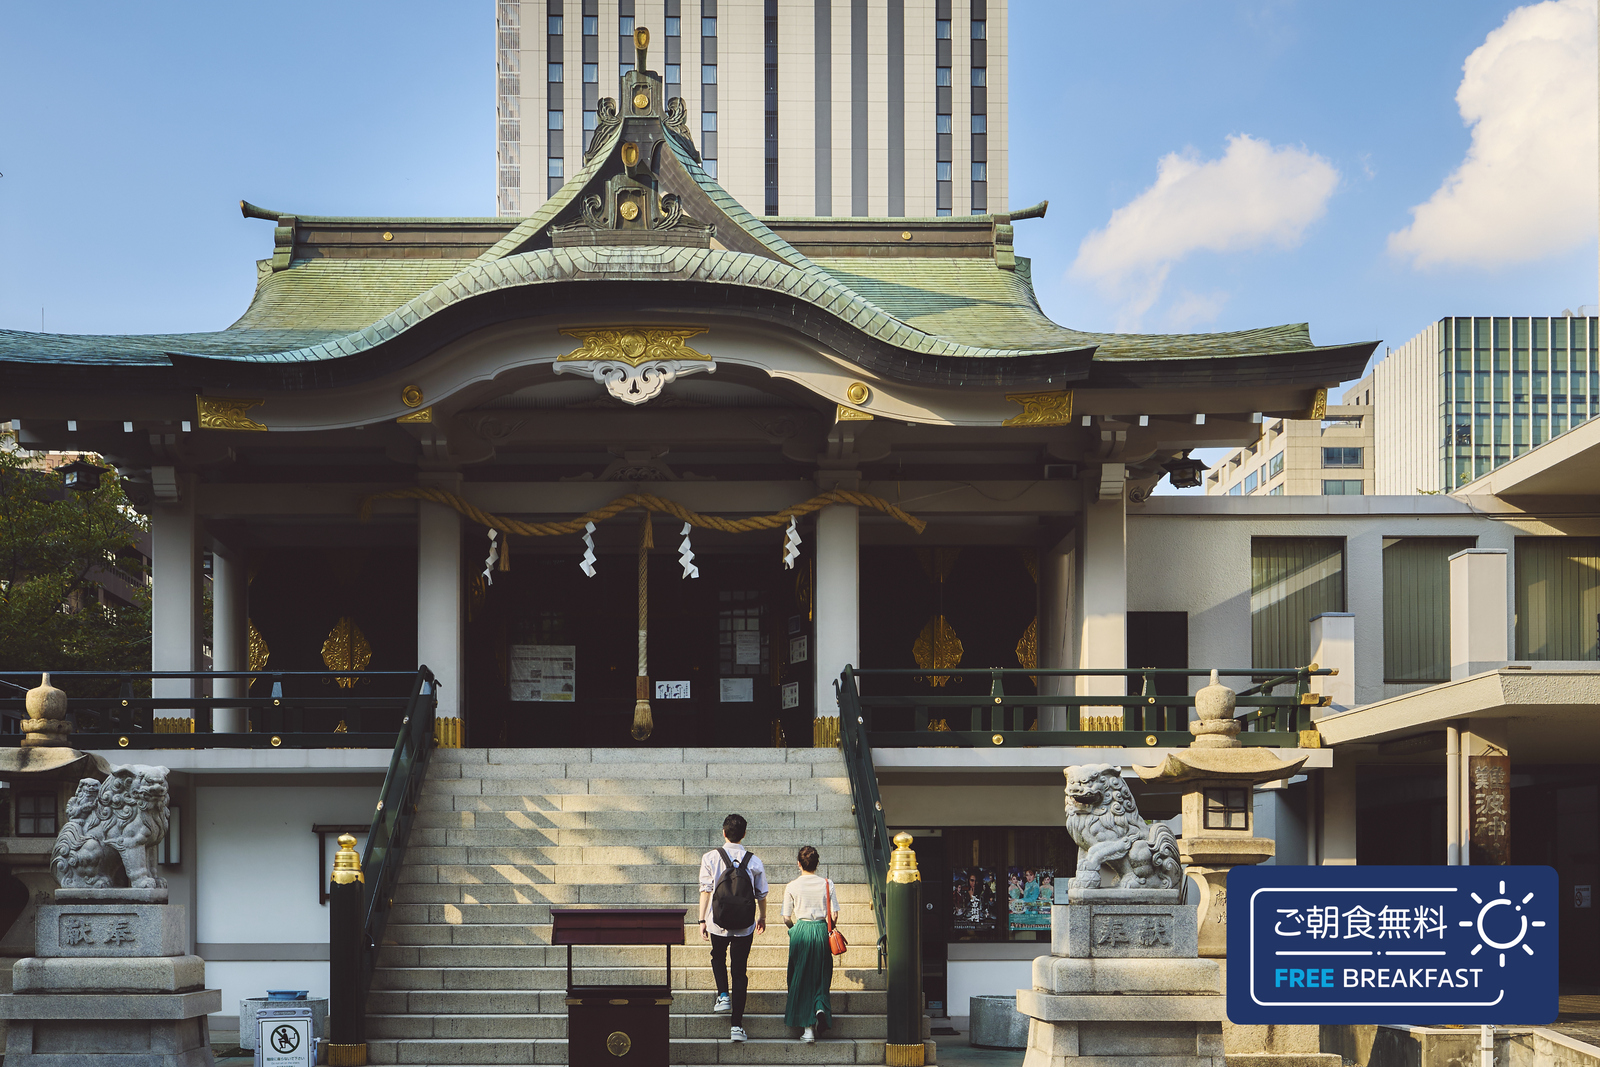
pixel 1150 718
pixel 391 822
pixel 127 720
pixel 867 802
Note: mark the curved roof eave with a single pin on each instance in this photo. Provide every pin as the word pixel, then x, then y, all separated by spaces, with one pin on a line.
pixel 720 270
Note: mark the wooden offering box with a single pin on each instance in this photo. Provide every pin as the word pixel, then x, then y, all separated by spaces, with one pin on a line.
pixel 609 1023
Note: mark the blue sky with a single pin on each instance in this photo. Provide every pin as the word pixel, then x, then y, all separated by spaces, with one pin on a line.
pixel 128 134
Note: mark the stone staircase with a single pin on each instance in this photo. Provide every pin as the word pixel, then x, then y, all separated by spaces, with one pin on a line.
pixel 467 974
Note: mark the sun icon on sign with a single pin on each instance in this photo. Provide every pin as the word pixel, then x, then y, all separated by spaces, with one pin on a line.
pixel 1501 901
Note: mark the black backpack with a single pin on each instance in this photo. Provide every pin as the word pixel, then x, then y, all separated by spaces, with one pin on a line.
pixel 733 901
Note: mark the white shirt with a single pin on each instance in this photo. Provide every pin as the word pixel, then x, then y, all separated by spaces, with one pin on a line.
pixel 805 897
pixel 711 868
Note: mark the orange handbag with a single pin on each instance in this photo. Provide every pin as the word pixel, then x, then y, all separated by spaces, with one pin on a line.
pixel 836 941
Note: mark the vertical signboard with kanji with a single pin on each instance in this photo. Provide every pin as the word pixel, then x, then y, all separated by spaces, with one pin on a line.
pixel 1491 809
pixel 1465 945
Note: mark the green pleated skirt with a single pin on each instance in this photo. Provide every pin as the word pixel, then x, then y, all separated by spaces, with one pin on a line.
pixel 810 975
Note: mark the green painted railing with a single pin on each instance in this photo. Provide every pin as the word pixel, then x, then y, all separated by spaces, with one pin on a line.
pixel 1150 720
pixel 867 804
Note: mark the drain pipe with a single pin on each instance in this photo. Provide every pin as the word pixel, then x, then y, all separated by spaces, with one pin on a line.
pixel 1452 795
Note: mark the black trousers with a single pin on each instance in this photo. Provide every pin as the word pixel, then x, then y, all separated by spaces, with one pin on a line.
pixel 741 969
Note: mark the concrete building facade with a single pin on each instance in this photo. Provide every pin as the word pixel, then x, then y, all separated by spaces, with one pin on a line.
pixel 1471 393
pixel 1330 456
pixel 825 107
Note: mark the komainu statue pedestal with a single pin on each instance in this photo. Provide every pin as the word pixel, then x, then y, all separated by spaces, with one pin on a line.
pixel 113 981
pixel 1123 984
pixel 1124 981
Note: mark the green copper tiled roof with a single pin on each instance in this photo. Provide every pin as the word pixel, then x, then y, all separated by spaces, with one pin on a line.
pixel 341 294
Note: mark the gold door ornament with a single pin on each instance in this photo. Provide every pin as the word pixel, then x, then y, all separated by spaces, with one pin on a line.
pixel 259 652
pixel 346 649
pixel 937 648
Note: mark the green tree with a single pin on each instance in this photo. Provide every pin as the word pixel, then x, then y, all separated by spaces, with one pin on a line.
pixel 53 544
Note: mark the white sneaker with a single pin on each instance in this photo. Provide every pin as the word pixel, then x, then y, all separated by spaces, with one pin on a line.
pixel 808 1038
pixel 724 1003
pixel 738 1034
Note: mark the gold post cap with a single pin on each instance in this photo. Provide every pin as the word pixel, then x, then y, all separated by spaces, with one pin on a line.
pixel 903 861
pixel 346 863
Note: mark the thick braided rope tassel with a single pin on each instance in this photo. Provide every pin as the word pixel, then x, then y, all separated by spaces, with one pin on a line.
pixel 643 721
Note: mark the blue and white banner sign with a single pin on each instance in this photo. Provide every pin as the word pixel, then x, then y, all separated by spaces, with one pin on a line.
pixel 1419 945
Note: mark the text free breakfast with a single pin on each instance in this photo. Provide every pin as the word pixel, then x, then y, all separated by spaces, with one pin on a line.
pixel 1379 977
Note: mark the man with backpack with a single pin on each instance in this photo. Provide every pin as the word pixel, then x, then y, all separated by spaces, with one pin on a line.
pixel 733 909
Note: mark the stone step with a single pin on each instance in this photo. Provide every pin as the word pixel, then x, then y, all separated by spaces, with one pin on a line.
pixel 781 844
pixel 769 950
pixel 612 771
pixel 637 788
pixel 554 1001
pixel 753 807
pixel 692 825
pixel 743 757
pixel 493 866
pixel 485 1051
pixel 669 858
pixel 538 915
pixel 502 973
pixel 500 891
pixel 522 1025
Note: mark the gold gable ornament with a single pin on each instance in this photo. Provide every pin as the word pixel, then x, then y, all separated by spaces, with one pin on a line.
pixel 226 413
pixel 635 363
pixel 1319 406
pixel 1041 409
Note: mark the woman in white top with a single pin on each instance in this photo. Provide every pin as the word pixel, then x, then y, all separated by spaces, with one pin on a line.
pixel 810 903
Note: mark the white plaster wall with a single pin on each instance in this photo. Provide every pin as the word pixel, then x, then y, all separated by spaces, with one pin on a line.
pixel 1193 554
pixel 971 805
pixel 256 881
pixel 983 978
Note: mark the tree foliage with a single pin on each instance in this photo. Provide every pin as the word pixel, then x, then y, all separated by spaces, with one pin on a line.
pixel 54 545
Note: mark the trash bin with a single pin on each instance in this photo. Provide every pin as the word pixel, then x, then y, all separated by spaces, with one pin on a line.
pixel 285 1035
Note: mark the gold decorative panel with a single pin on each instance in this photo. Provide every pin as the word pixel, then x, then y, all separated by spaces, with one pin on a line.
pixel 259 652
pixel 425 415
pixel 346 649
pixel 1319 405
pixel 226 412
pixel 634 345
pixel 937 648
pixel 825 731
pixel 1041 409
pixel 844 414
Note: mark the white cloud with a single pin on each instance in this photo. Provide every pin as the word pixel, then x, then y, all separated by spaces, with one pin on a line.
pixel 1527 187
pixel 1255 196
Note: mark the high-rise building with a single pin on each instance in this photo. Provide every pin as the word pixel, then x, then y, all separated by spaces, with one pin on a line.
pixel 800 107
pixel 1469 394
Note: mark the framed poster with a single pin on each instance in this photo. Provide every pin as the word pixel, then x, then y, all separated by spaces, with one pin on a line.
pixel 747 648
pixel 799 649
pixel 791 695
pixel 543 673
pixel 1029 893
pixel 672 690
pixel 975 901
pixel 738 690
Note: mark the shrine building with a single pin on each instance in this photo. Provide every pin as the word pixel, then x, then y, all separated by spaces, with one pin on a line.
pixel 646 471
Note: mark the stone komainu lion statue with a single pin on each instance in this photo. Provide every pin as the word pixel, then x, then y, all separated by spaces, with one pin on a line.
pixel 1104 821
pixel 112 830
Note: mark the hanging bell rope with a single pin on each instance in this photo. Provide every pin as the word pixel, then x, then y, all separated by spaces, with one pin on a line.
pixel 647 501
pixel 643 721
